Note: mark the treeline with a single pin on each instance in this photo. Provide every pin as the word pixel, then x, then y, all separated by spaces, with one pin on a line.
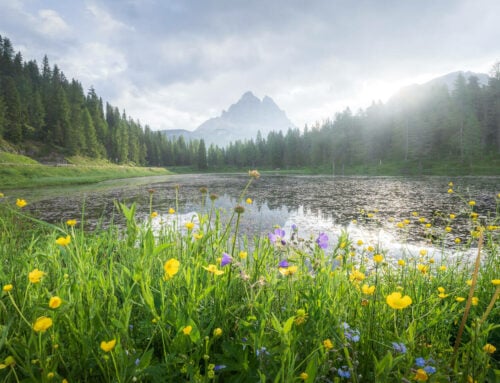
pixel 421 125
pixel 41 106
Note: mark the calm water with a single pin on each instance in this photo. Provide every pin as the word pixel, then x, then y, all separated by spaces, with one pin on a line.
pixel 313 203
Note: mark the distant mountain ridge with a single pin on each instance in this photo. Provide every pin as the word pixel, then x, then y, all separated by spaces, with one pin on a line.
pixel 243 120
pixel 450 78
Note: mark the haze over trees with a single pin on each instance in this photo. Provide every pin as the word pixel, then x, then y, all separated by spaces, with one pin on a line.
pixel 41 112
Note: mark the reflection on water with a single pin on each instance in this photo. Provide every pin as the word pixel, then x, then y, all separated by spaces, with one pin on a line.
pixel 314 203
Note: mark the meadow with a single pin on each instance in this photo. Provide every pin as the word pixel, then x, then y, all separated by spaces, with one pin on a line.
pixel 198 302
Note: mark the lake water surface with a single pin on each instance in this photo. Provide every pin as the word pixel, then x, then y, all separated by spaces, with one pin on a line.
pixel 314 203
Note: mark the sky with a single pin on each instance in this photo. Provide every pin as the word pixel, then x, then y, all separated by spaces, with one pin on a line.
pixel 173 64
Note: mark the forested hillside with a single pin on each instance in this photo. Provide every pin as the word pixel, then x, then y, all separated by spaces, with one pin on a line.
pixel 419 128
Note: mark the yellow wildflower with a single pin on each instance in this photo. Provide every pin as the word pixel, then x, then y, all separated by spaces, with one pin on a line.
pixel 450 191
pixel 415 214
pixel 468 282
pixel 398 302
pixel 35 276
pixel 2 195
pixel 154 214
pixel 327 343
pixel 42 324
pixel 354 221
pixel 171 211
pixel 489 348
pixel 287 271
pixel 370 248
pixel 460 299
pixel 428 225
pixel 55 302
pixel 187 330
pixel 7 288
pixel 50 375
pixel 254 174
pixel 108 346
pixel 21 203
pixel 472 203
pixel 213 269
pixel 421 375
pixel 356 275
pixel 423 252
pixel 442 268
pixel 360 242
pixel 450 184
pixel 422 220
pixel 243 254
pixel 303 375
pixel 457 240
pixel 217 332
pixel 171 268
pixel 369 215
pixel 422 268
pixel 496 282
pixel 447 229
pixel 189 225
pixel 475 301
pixel 401 262
pixel 249 201
pixel 378 258
pixel 368 290
pixel 71 222
pixel 452 216
pixel 197 236
pixel 400 225
pixel 63 241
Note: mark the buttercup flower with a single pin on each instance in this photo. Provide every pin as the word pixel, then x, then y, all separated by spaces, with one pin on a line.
pixel 189 225
pixel 496 282
pixel 356 275
pixel 55 302
pixel 2 195
pixel 249 201
pixel 378 258
pixel 287 271
pixel 217 332
pixel 42 324
pixel 472 203
pixel 187 330
pixel 254 174
pixel 327 343
pixel 171 211
pixel 460 299
pixel 303 376
pixel 401 262
pixel 171 268
pixel 243 254
pixel 154 214
pixel 63 241
pixel 35 276
pixel 489 348
pixel 475 301
pixel 398 302
pixel 108 346
pixel 71 222
pixel 7 288
pixel 213 269
pixel 21 203
pixel 421 375
pixel 368 290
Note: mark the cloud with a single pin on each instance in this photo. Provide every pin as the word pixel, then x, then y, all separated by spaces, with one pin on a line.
pixel 50 23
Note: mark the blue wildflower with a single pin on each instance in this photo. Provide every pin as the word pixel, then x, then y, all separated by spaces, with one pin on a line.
pixel 420 362
pixel 219 367
pixel 137 361
pixel 322 241
pixel 261 351
pixel 294 227
pixel 344 372
pixel 399 347
pixel 225 260
pixel 429 369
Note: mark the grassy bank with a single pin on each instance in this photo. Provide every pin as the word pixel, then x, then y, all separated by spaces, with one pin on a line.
pixel 193 301
pixel 18 171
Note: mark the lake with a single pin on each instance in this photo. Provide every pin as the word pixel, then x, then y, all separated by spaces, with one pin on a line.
pixel 369 208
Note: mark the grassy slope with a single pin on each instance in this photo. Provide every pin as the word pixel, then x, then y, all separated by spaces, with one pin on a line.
pixel 17 171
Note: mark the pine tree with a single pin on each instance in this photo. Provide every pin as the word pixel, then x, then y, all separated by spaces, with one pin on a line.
pixel 202 156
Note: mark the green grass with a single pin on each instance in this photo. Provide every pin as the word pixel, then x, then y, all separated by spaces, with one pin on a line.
pixel 173 312
pixel 17 171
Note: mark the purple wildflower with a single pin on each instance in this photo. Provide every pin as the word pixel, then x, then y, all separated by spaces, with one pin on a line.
pixel 219 367
pixel 137 361
pixel 283 263
pixel 225 260
pixel 294 227
pixel 322 241
pixel 277 236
